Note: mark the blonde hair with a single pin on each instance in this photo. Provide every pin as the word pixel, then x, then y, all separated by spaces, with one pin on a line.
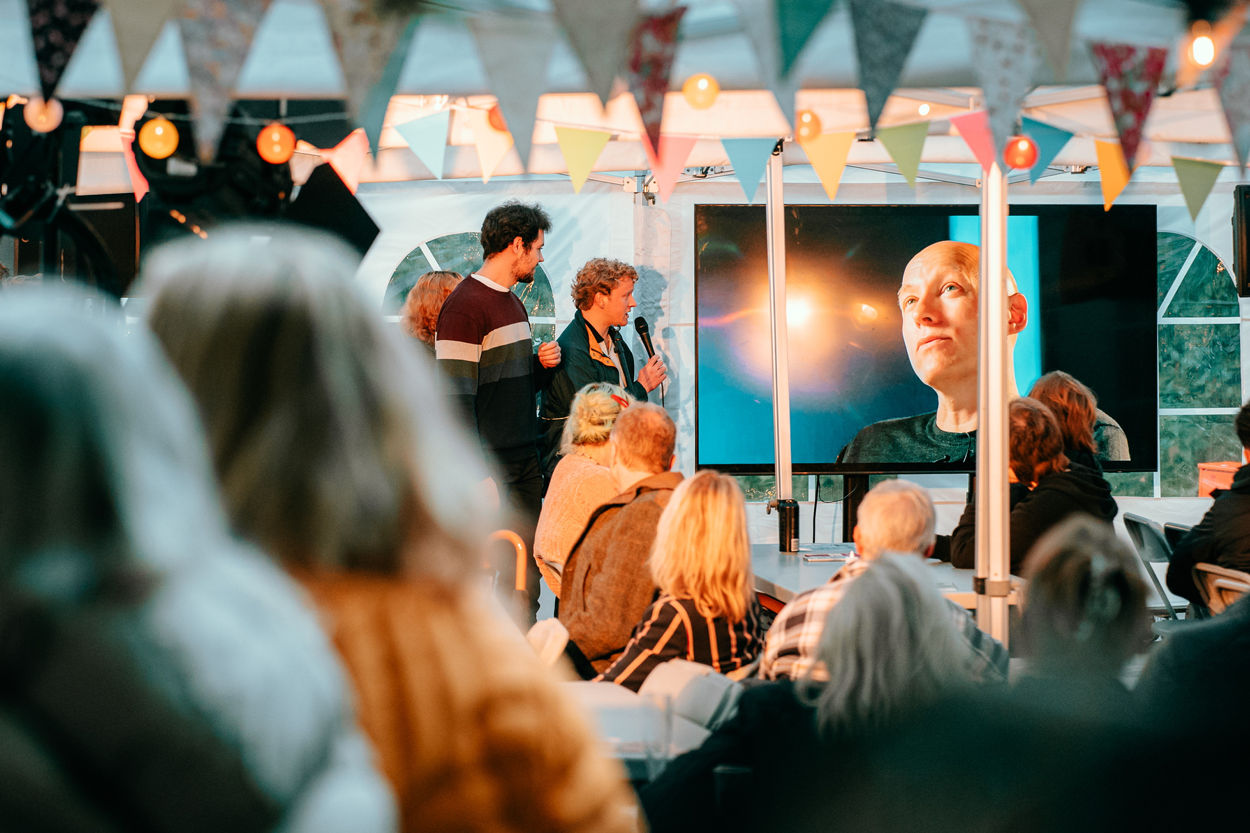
pixel 329 446
pixel 701 548
pixel 592 414
pixel 419 316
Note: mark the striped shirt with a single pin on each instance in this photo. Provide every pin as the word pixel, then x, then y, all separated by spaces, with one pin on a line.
pixel 484 348
pixel 675 629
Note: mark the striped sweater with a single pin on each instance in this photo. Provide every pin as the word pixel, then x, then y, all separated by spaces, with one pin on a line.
pixel 483 347
pixel 674 628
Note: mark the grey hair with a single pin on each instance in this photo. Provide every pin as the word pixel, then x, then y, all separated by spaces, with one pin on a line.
pixel 592 414
pixel 890 644
pixel 896 516
pixel 328 433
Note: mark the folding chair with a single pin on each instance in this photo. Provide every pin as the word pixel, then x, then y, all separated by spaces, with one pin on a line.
pixel 1174 532
pixel 1153 548
pixel 1220 586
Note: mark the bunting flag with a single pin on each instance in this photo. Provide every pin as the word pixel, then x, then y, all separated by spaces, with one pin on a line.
pixel 599 34
pixel 304 161
pixel 55 29
pixel 749 158
pixel 1049 140
pixel 674 151
pixel 136 26
pixel 1005 58
pixel 427 138
pixel 371 41
pixel 492 145
pixel 515 68
pixel 827 153
pixel 1197 177
pixel 138 182
pixel 1130 75
pixel 651 50
pixel 759 24
pixel 797 20
pixel 884 35
pixel 581 149
pixel 975 130
pixel 905 143
pixel 216 36
pixel 1112 169
pixel 1233 82
pixel 1052 21
pixel 348 158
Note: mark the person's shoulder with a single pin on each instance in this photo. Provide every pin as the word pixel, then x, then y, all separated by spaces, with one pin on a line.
pixel 879 442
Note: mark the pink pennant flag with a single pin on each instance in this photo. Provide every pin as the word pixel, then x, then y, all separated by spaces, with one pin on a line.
pixel 348 158
pixel 975 130
pixel 651 52
pixel 138 182
pixel 674 151
pixel 304 161
pixel 1130 75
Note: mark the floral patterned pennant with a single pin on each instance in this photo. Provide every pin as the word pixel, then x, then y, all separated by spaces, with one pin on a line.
pixel 1005 58
pixel 55 27
pixel 884 35
pixel 1130 75
pixel 651 52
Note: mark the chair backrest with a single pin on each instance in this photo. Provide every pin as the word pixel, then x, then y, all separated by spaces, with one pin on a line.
pixel 1174 532
pixel 1151 546
pixel 1220 586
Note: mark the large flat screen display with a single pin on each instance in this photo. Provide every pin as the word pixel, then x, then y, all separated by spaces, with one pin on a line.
pixel 883 356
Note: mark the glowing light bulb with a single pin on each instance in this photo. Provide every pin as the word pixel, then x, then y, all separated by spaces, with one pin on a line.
pixel 923 109
pixel 494 117
pixel 1201 44
pixel 276 143
pixel 1020 153
pixel 809 126
pixel 158 138
pixel 700 91
pixel 43 116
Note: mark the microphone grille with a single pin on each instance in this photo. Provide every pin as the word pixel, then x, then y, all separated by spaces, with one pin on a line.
pixel 640 324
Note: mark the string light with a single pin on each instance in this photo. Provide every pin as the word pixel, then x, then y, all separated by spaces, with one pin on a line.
pixel 700 91
pixel 495 118
pixel 158 138
pixel 276 143
pixel 43 116
pixel 1020 153
pixel 809 126
pixel 923 109
pixel 1201 45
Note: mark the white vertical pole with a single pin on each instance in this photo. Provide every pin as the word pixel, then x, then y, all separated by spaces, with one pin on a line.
pixel 775 210
pixel 993 557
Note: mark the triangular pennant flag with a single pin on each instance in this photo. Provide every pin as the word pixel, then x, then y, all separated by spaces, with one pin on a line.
pixel 581 149
pixel 1233 82
pixel 905 143
pixel 1197 177
pixel 1005 57
pixel 975 130
pixel 138 182
pixel 796 21
pixel 136 26
pixel 1130 75
pixel 652 48
pixel 1052 21
pixel 674 151
pixel 749 158
pixel 599 34
pixel 216 37
pixel 492 145
pixel 371 41
pixel 1049 141
pixel 516 70
pixel 306 158
pixel 348 158
pixel 54 31
pixel 884 35
pixel 1112 169
pixel 827 153
pixel 758 22
pixel 427 137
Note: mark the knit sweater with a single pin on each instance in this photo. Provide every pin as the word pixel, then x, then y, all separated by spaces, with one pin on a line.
pixel 579 486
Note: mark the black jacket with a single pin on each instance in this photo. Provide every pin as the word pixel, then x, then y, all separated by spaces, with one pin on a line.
pixel 1036 510
pixel 1222 537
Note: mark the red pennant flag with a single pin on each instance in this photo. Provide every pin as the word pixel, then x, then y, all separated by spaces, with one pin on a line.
pixel 1130 75
pixel 651 52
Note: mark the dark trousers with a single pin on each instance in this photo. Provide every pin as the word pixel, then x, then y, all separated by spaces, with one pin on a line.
pixel 520 491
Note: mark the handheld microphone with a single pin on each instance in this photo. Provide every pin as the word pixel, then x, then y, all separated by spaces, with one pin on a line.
pixel 644 333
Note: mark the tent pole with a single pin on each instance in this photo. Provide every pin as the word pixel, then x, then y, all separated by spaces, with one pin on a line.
pixel 775 210
pixel 993 555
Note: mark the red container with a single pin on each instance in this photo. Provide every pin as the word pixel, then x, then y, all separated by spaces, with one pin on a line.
pixel 1215 476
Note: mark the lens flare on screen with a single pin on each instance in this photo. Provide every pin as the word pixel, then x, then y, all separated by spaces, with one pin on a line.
pixel 865 315
pixel 798 310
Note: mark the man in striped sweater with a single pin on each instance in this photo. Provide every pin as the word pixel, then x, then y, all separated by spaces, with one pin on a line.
pixel 483 345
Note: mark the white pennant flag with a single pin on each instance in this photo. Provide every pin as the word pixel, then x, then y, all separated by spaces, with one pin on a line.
pixel 1005 58
pixel 758 19
pixel 516 66
pixel 1052 21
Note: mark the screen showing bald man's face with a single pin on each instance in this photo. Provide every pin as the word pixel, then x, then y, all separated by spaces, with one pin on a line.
pixel 939 306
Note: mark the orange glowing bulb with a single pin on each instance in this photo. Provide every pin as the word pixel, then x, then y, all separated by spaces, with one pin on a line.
pixel 158 138
pixel 43 116
pixel 809 126
pixel 276 143
pixel 1020 153
pixel 495 118
pixel 700 91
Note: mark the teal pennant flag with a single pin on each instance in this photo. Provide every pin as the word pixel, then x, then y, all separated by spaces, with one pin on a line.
pixel 1049 140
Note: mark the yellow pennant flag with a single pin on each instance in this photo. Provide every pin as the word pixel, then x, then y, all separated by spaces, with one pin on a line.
pixel 581 149
pixel 1113 170
pixel 827 153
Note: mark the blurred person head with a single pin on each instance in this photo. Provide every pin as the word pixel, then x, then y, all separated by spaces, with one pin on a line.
pixel 1242 424
pixel 643 440
pixel 1036 441
pixel 515 233
pixel 592 414
pixel 1074 405
pixel 1085 603
pixel 895 516
pixel 890 645
pixel 419 316
pixel 604 292
pixel 328 447
pixel 701 548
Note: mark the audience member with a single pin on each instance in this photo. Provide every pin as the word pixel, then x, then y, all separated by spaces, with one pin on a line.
pixel 890 646
pixel 1223 535
pixel 158 675
pixel 701 563
pixel 1050 487
pixel 606 586
pixel 419 315
pixel 1089 435
pixel 335 459
pixel 582 480
pixel 592 349
pixel 895 516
